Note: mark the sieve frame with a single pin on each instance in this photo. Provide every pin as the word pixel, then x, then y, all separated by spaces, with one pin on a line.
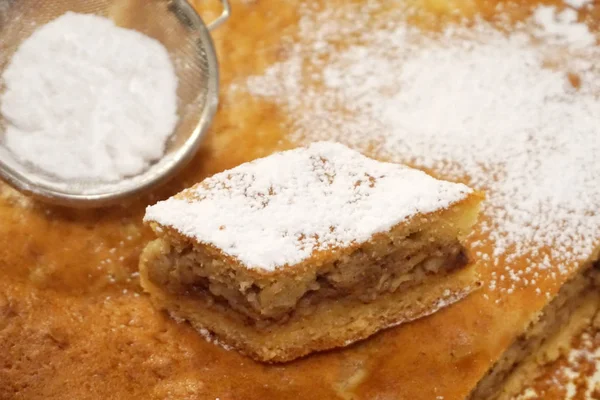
pixel 78 195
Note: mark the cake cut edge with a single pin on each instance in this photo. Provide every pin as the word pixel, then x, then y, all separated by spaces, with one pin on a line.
pixel 317 332
pixel 331 323
pixel 547 337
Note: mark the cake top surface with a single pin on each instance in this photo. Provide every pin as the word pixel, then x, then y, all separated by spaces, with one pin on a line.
pixel 278 210
pixel 524 130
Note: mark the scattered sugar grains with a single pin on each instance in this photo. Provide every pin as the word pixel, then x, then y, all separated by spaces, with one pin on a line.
pixel 276 210
pixel 88 100
pixel 514 113
pixel 577 4
pixel 578 373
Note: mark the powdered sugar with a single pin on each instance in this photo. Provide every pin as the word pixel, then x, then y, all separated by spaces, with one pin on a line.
pixel 529 394
pixel 86 99
pixel 577 374
pixel 277 210
pixel 562 27
pixel 211 338
pixel 577 4
pixel 514 114
pixel 586 386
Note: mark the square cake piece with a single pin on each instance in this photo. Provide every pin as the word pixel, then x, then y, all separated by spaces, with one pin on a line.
pixel 309 249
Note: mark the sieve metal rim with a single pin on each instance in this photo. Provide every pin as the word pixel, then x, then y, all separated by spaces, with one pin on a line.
pixel 67 194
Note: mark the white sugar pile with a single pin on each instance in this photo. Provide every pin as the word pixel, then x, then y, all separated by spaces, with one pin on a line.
pixel 279 209
pixel 517 114
pixel 88 100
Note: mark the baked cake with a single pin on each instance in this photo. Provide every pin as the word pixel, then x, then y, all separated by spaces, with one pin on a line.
pixel 544 338
pixel 75 323
pixel 308 250
pixel 567 364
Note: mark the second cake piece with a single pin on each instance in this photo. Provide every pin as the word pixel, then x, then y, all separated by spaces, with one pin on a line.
pixel 308 250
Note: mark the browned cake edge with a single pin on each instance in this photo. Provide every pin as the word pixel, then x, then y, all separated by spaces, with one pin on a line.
pixel 555 347
pixel 545 339
pixel 262 303
pixel 334 324
pixel 394 260
pixel 459 216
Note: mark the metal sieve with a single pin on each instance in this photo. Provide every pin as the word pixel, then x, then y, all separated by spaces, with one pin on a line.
pixel 180 29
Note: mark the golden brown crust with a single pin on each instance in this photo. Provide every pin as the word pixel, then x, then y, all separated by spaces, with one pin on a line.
pixel 423 246
pixel 274 301
pixel 543 340
pixel 60 337
pixel 333 324
pixel 469 204
pixel 555 346
pixel 332 299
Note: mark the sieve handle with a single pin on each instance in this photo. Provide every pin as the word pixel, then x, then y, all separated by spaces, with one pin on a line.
pixel 221 18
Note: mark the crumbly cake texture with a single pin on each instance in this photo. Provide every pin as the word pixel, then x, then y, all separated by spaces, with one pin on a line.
pixel 330 325
pixel 279 210
pixel 545 339
pixel 308 250
pixel 574 374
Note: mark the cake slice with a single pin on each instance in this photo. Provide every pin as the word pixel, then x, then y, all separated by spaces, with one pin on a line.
pixel 548 335
pixel 308 250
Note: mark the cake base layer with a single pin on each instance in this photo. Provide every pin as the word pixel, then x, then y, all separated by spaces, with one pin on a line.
pixel 332 324
pixel 571 311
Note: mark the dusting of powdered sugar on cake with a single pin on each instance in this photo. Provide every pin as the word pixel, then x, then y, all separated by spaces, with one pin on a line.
pixel 211 338
pixel 205 333
pixel 561 27
pixel 514 114
pixel 575 375
pixel 578 4
pixel 278 210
